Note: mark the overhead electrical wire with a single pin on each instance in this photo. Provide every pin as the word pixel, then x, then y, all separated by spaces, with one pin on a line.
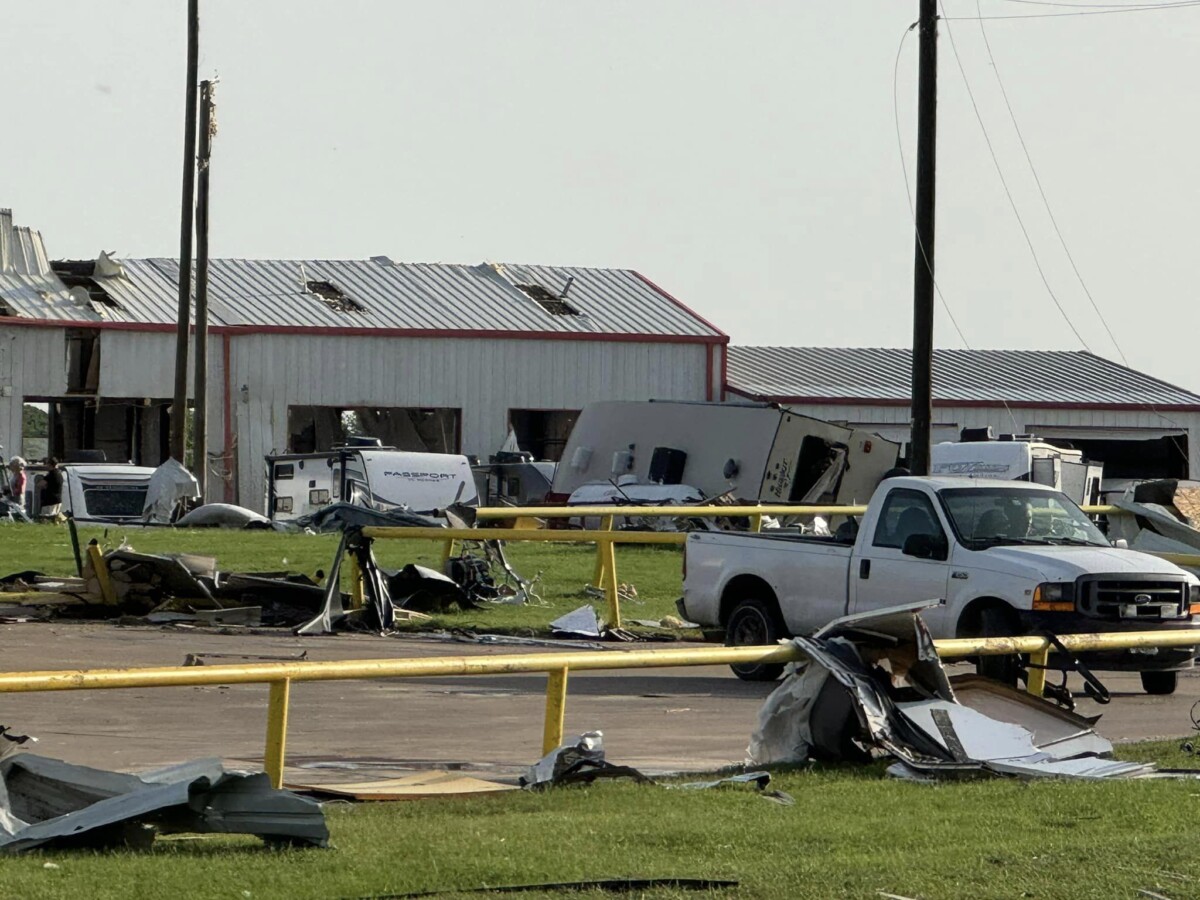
pixel 1008 193
pixel 1041 190
pixel 913 212
pixel 1046 203
pixel 1077 10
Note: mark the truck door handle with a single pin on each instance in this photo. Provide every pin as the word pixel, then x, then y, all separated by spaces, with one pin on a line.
pixel 864 568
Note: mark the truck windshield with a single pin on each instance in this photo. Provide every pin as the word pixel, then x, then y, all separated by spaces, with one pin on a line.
pixel 989 516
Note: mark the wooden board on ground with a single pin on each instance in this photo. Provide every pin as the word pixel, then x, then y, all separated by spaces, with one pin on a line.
pixel 407 787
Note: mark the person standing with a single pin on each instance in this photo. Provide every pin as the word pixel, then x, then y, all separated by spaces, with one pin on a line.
pixel 52 488
pixel 16 481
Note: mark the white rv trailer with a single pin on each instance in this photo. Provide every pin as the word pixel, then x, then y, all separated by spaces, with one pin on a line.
pixel 94 491
pixel 1021 458
pixel 752 451
pixel 376 477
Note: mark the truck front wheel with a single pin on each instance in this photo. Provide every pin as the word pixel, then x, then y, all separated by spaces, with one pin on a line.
pixel 1160 682
pixel 995 620
pixel 754 623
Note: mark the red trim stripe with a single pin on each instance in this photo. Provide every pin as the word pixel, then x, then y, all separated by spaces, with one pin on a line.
pixel 328 331
pixel 967 404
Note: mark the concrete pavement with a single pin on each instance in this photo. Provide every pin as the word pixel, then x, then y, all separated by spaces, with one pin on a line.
pixel 693 718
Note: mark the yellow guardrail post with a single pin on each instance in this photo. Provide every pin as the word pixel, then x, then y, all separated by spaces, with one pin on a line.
pixel 1037 672
pixel 277 722
pixel 608 549
pixel 448 548
pixel 556 709
pixel 606 523
pixel 101 567
pixel 356 583
pixel 756 522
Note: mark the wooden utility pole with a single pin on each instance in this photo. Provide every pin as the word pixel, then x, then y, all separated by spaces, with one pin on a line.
pixel 923 280
pixel 179 403
pixel 200 427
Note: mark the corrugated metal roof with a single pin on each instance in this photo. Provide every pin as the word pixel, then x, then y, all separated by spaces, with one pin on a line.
pixel 431 296
pixel 26 282
pixel 1066 377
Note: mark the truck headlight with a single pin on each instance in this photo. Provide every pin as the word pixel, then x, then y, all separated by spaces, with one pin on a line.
pixel 1054 596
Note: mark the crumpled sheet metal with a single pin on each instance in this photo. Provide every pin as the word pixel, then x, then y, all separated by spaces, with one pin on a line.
pixel 343 516
pixel 47 801
pixel 901 703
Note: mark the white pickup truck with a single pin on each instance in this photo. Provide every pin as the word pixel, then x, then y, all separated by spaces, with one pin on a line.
pixel 1005 557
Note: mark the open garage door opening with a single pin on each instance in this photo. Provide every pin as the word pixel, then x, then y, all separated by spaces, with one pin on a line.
pixel 1141 454
pixel 76 429
pixel 543 432
pixel 316 429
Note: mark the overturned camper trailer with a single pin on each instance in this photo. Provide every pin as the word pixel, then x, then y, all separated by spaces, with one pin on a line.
pixel 367 475
pixel 751 451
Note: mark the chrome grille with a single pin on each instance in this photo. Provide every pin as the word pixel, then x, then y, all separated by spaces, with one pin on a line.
pixel 1113 597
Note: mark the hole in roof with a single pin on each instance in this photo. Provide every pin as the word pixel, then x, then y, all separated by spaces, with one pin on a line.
pixel 334 298
pixel 79 273
pixel 551 303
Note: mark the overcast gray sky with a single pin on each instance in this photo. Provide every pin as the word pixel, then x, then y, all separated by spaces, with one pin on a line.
pixel 742 155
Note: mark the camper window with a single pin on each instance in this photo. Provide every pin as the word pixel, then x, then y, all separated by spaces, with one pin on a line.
pixel 284 471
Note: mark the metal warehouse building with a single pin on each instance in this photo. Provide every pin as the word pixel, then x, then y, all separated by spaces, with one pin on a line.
pixel 1138 426
pixel 425 356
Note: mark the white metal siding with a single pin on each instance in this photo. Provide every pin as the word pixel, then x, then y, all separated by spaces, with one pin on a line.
pixel 33 363
pixel 140 363
pixel 484 378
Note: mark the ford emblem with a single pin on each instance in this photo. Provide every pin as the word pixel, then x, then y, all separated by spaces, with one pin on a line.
pixel 1142 598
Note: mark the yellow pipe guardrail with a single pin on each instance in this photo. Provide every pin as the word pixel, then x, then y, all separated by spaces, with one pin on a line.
pixel 556 665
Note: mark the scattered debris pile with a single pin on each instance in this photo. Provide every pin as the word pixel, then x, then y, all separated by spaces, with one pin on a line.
pixel 1165 518
pixel 188 587
pixel 46 802
pixel 480 576
pixel 873 685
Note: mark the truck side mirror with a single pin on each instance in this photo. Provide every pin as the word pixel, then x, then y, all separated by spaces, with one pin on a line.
pixel 925 546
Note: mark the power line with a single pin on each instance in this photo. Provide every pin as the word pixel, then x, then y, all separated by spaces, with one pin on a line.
pixel 1157 7
pixel 907 185
pixel 1124 7
pixel 912 209
pixel 1049 212
pixel 1041 190
pixel 1008 193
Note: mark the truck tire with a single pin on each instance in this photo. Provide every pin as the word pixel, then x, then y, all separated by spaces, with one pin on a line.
pixel 754 623
pixel 998 621
pixel 1161 683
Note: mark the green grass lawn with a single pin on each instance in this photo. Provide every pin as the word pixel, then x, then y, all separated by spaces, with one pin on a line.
pixel 851 833
pixel 655 571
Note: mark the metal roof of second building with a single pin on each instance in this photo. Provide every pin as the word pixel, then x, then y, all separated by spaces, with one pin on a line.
pixel 374 294
pixel 883 375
